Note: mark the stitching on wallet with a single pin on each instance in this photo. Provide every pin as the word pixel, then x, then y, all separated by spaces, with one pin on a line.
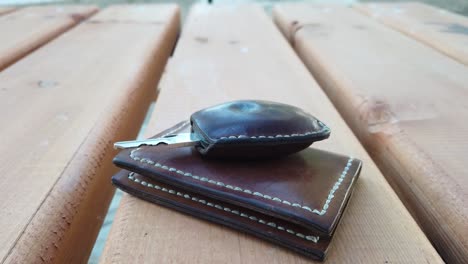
pixel 131 176
pixel 324 128
pixel 331 193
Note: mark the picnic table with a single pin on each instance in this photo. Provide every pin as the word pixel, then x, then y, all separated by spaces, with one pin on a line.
pixel 75 79
pixel 403 96
pixel 61 110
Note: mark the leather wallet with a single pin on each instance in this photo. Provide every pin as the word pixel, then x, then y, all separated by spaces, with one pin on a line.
pixel 295 201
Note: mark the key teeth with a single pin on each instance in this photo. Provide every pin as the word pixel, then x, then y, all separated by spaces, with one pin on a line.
pixel 176 140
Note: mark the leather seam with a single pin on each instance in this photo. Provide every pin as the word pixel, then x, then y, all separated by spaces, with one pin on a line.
pixel 294 135
pixel 331 193
pixel 314 239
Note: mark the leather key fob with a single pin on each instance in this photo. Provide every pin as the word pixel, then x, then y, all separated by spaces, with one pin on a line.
pixel 255 129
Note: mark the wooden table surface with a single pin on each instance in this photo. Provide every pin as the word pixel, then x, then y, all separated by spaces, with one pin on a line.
pixel 235 52
pixel 61 107
pixel 389 79
pixel 5 10
pixel 444 31
pixel 28 28
pixel 405 100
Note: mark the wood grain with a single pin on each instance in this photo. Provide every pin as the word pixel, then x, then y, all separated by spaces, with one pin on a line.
pixel 6 10
pixel 407 104
pixel 438 28
pixel 252 60
pixel 31 27
pixel 61 108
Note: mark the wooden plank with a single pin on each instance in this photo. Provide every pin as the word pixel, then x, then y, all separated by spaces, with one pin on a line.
pixel 6 9
pixel 31 27
pixel 252 60
pixel 438 28
pixel 407 104
pixel 61 108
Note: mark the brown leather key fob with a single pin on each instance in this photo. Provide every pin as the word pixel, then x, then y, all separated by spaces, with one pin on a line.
pixel 255 129
pixel 246 129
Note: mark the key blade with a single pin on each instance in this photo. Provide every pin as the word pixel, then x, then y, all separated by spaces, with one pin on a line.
pixel 173 141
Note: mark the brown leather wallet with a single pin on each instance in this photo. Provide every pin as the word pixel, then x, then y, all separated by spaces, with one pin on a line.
pixel 295 201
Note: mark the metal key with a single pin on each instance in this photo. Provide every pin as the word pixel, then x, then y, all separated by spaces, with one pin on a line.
pixel 244 129
pixel 178 140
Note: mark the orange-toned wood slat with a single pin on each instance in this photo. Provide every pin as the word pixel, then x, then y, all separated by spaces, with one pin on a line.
pixel 61 108
pixel 31 27
pixel 6 10
pixel 440 29
pixel 235 52
pixel 407 104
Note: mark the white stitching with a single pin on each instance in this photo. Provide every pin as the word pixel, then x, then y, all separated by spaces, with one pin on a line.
pixel 324 128
pixel 235 188
pixel 265 196
pixel 315 239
